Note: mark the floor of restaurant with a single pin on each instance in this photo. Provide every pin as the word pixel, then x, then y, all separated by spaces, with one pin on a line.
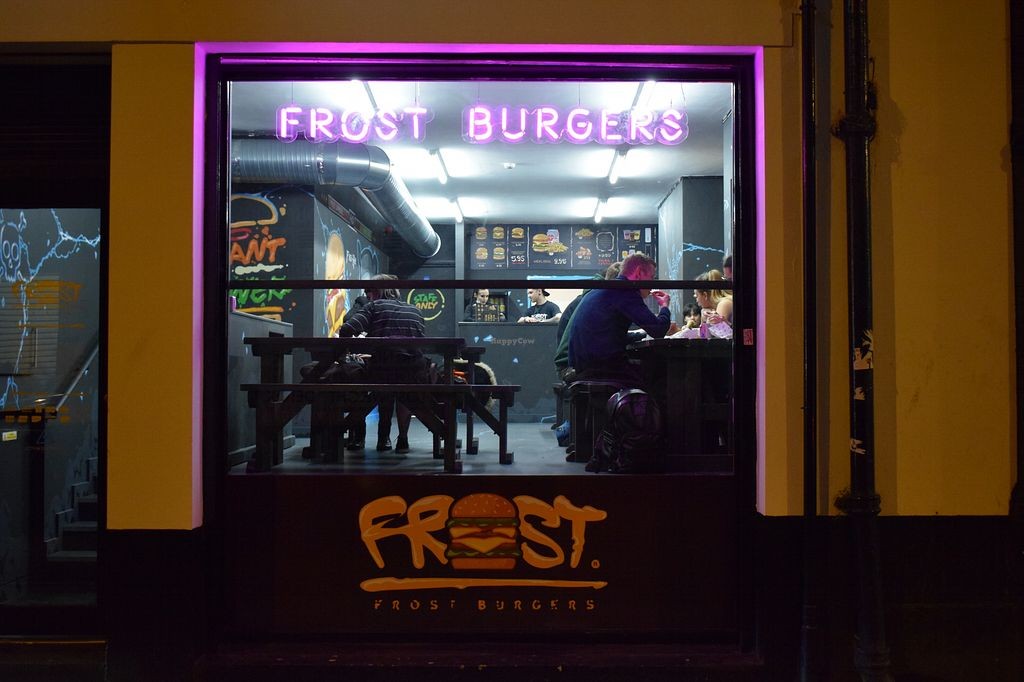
pixel 534 445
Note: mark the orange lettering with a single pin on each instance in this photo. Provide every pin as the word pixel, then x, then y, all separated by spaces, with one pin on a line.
pixel 531 506
pixel 256 250
pixel 424 515
pixel 578 516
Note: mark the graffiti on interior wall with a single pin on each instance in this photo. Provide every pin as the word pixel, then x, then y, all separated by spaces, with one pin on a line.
pixel 346 254
pixel 337 299
pixel 257 253
pixel 709 258
pixel 675 263
pixel 33 243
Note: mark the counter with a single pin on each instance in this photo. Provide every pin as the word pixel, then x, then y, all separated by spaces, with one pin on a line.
pixel 521 354
pixel 243 368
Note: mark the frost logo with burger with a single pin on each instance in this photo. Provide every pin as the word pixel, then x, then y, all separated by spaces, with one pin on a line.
pixel 484 529
pixel 481 532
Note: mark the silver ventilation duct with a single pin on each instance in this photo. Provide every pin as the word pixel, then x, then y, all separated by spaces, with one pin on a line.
pixel 338 163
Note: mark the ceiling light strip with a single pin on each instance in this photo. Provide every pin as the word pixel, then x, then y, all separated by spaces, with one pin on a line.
pixel 613 170
pixel 442 169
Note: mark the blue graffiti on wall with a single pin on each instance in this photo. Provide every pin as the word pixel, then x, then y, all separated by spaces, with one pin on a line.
pixel 676 261
pixel 27 251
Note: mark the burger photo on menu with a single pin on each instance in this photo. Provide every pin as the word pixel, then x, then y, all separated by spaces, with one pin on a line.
pixel 484 529
pixel 481 253
pixel 518 233
pixel 544 243
pixel 498 232
pixel 499 253
pixel 480 233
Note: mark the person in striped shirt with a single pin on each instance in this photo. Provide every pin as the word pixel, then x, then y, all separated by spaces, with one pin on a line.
pixel 387 315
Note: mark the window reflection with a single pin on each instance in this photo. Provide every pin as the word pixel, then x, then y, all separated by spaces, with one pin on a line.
pixel 49 401
pixel 339 182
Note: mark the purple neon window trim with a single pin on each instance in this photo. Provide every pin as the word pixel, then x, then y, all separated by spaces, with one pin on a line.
pixel 410 51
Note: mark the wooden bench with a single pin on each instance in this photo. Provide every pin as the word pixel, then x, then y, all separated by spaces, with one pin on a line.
pixel 331 401
pixel 588 401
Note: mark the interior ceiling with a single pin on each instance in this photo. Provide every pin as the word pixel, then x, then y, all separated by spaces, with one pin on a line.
pixel 527 182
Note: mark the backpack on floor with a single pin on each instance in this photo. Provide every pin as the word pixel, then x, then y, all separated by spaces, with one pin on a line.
pixel 631 439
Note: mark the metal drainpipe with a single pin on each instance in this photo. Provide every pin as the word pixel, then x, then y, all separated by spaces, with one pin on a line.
pixel 862 503
pixel 810 635
pixel 1017 169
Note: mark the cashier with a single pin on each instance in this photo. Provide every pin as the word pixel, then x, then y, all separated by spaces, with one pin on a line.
pixel 542 309
pixel 480 309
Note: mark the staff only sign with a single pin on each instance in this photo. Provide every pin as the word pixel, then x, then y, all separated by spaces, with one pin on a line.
pixel 483 554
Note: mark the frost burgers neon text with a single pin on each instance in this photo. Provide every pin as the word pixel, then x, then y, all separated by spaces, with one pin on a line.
pixel 482 124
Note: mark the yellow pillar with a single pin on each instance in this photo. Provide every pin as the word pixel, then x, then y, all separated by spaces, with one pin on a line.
pixel 154 371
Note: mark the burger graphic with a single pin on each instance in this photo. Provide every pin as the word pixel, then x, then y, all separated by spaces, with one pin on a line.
pixel 518 233
pixel 480 233
pixel 481 253
pixel 484 529
pixel 541 242
pixel 499 253
pixel 498 232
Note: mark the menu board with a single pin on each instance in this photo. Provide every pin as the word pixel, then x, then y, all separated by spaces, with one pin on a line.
pixel 635 239
pixel 588 248
pixel 489 249
pixel 518 247
pixel 549 246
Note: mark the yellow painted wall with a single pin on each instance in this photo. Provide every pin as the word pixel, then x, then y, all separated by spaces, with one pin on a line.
pixel 783 418
pixel 942 203
pixel 152 435
pixel 944 401
pixel 653 22
pixel 945 410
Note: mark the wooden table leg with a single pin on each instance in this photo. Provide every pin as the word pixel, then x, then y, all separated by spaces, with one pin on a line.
pixel 269 439
pixel 471 443
pixel 451 464
pixel 504 456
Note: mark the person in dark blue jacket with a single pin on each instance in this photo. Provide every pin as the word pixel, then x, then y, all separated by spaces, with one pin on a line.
pixel 599 332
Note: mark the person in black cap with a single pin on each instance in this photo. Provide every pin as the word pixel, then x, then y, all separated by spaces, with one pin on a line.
pixel 542 309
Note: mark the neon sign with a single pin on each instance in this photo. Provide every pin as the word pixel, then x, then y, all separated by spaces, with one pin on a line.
pixel 482 124
pixel 546 124
pixel 320 124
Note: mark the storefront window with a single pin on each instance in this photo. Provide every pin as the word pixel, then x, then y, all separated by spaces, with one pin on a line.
pixel 49 402
pixel 496 203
